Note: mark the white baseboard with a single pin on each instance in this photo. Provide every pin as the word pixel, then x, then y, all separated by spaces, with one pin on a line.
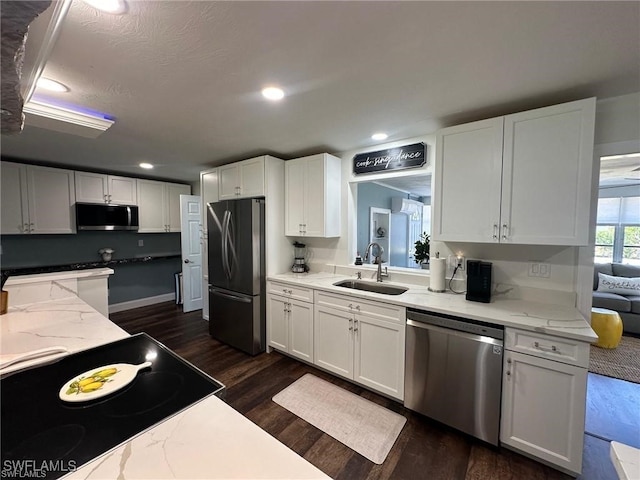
pixel 141 302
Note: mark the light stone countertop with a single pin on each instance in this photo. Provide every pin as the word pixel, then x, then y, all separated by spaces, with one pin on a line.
pixel 67 322
pixel 551 319
pixel 626 460
pixel 207 440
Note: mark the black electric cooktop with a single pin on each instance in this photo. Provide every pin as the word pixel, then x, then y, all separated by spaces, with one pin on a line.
pixel 45 437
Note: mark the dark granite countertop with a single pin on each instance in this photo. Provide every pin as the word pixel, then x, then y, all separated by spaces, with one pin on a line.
pixel 13 271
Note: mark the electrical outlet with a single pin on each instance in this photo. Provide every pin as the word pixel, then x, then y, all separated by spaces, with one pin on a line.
pixel 454 260
pixel 141 243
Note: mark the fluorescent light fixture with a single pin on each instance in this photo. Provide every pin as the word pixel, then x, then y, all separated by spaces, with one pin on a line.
pixel 379 136
pixel 66 119
pixel 51 85
pixel 146 166
pixel 273 93
pixel 115 7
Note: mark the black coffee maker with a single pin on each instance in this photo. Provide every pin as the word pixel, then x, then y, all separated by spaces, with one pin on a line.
pixel 478 281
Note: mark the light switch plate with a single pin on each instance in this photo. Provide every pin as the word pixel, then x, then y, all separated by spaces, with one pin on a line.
pixel 539 269
pixel 141 243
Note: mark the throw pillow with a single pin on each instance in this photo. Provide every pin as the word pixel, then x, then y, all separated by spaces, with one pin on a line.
pixel 619 285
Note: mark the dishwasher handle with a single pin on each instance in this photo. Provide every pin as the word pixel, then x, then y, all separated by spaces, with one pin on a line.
pixel 456 333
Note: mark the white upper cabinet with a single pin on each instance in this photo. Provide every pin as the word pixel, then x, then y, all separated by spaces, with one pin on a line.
pixel 209 186
pixel 37 200
pixel 467 182
pixel 98 188
pixel 159 206
pixel 312 196
pixel 523 178
pixel 241 179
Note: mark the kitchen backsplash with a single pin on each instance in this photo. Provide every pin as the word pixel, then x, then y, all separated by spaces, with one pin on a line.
pixel 41 250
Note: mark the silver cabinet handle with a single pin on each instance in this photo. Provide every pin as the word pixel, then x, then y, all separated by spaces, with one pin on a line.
pixel 350 324
pixel 355 329
pixel 505 231
pixel 553 348
pixel 495 231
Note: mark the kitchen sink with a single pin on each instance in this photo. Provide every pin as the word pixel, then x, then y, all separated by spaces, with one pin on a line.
pixel 371 287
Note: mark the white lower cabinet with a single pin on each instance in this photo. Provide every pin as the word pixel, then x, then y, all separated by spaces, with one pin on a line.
pixel 543 404
pixel 290 322
pixel 361 340
pixel 333 340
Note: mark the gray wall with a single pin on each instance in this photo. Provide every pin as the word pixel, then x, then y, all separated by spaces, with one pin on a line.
pixel 129 282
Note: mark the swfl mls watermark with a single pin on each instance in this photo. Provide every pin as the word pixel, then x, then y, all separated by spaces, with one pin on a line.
pixel 36 468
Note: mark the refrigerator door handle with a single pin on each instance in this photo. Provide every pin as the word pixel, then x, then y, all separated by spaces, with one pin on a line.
pixel 236 298
pixel 231 235
pixel 225 240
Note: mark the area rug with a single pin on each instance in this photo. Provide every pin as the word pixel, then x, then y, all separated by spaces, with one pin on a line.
pixel 363 426
pixel 622 362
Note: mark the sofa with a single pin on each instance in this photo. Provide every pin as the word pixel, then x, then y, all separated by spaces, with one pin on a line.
pixel 618 288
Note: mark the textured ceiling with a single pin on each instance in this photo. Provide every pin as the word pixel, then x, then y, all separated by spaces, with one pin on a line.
pixel 182 79
pixel 16 17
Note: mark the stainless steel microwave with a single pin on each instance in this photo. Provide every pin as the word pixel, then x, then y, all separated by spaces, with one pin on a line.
pixel 102 216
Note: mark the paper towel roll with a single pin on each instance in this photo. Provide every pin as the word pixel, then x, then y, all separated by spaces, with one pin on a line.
pixel 437 272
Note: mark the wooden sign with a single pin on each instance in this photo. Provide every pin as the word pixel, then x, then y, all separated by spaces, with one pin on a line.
pixel 398 158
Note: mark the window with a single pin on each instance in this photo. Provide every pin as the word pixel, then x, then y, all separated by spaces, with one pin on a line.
pixel 618 230
pixel 631 245
pixel 604 243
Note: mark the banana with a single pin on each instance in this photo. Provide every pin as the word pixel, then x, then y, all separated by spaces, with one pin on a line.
pixel 87 381
pixel 107 372
pixel 91 387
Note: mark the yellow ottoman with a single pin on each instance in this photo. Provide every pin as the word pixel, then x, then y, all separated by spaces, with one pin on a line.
pixel 608 325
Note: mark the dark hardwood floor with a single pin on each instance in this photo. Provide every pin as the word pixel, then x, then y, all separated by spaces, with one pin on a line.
pixel 424 449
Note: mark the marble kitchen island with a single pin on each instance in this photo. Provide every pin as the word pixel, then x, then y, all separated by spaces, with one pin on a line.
pixel 206 440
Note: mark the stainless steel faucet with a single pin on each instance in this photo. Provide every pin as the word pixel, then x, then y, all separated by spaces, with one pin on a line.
pixel 377 260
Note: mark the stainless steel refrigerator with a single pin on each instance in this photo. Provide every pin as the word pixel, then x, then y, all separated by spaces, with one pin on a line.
pixel 237 303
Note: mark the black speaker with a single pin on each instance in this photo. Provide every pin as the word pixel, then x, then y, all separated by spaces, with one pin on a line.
pixel 478 281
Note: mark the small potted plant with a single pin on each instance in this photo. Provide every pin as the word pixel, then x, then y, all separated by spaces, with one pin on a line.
pixel 421 254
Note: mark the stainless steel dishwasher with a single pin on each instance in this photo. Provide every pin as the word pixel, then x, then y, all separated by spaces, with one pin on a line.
pixel 453 372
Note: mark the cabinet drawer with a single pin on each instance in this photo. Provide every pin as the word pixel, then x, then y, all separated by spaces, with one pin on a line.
pixel 379 310
pixel 290 291
pixel 559 349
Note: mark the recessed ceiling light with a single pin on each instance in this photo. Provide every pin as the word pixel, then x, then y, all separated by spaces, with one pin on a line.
pixel 148 166
pixel 115 7
pixel 273 93
pixel 51 85
pixel 379 136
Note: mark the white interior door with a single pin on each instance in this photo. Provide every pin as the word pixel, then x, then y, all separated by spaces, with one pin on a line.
pixel 191 253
